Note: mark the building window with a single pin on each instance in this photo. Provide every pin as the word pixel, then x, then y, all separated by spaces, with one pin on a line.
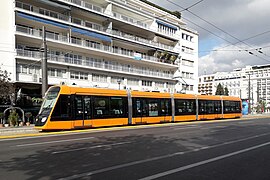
pixel 115 80
pixel 133 82
pixel 146 83
pixel 159 84
pixel 99 78
pixel 78 75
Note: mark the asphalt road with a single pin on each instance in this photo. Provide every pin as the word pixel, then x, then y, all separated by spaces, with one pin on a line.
pixel 203 150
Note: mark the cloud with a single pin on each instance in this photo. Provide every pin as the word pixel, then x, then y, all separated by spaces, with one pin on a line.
pixel 231 57
pixel 241 19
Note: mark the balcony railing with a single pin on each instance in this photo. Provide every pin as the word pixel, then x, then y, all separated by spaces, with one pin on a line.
pixel 94 64
pixel 80 42
pixel 86 5
pixel 129 19
pixel 88 24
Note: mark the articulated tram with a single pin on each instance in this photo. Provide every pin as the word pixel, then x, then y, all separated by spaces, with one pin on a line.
pixel 68 107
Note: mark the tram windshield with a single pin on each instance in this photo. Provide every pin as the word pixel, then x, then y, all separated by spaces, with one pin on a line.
pixel 49 101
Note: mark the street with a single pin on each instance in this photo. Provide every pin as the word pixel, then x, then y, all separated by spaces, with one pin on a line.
pixel 235 149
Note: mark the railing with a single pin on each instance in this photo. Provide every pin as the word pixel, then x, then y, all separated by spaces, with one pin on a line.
pixel 91 63
pixel 88 24
pixel 129 19
pixel 79 42
pixel 87 5
pixel 140 39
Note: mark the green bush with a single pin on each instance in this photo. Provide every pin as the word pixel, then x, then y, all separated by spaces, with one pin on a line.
pixel 1 117
pixel 13 118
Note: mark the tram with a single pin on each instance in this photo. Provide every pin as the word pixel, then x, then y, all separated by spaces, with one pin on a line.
pixel 71 107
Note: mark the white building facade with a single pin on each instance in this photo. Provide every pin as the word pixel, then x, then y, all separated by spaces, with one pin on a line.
pixel 251 82
pixel 117 44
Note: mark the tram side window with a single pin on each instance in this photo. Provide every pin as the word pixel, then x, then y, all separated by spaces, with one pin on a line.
pixel 87 107
pixel 137 107
pixel 209 107
pixel 62 109
pixel 217 106
pixel 165 107
pixel 185 107
pixel 238 107
pixel 144 107
pixel 232 107
pixel 202 107
pixel 101 107
pixel 118 106
pixel 153 107
pixel 78 107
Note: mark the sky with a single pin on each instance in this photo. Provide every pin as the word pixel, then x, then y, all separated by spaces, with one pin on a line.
pixel 232 33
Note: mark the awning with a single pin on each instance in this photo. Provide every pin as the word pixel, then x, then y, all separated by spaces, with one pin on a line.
pixel 76 30
pixel 55 4
pixel 167 25
pixel 42 20
pixel 91 34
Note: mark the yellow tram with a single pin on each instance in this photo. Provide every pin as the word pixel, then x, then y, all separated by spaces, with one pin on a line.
pixel 71 107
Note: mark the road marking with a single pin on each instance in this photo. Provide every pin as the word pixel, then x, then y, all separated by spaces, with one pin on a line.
pixel 92 147
pixel 176 170
pixel 181 128
pixel 51 142
pixel 76 176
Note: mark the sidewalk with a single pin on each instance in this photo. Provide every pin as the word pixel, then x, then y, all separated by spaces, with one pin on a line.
pixel 8 131
pixel 263 115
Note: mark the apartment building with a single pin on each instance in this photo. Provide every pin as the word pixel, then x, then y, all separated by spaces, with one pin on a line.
pixel 118 44
pixel 232 80
pixel 250 82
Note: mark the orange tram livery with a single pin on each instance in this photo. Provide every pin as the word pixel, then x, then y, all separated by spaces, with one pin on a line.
pixel 70 107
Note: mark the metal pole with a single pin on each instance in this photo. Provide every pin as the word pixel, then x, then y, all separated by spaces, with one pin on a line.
pixel 44 62
pixel 249 104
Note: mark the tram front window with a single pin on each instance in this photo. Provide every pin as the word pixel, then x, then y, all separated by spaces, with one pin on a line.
pixel 47 105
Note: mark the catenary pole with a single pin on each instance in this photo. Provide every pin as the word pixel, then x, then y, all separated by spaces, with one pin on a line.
pixel 44 62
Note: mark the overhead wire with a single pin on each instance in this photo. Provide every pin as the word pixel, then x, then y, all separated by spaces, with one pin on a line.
pixel 216 28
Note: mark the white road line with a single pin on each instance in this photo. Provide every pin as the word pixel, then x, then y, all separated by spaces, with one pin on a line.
pixel 155 176
pixel 181 128
pixel 52 142
pixel 92 147
pixel 76 176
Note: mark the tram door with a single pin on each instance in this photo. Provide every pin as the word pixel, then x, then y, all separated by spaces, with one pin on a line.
pixel 139 110
pixel 82 107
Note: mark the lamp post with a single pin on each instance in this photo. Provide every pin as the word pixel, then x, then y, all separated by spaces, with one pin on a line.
pixel 43 48
pixel 119 82
pixel 249 98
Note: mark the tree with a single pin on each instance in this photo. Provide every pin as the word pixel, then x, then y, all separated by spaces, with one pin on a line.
pixel 220 90
pixel 226 91
pixel 7 90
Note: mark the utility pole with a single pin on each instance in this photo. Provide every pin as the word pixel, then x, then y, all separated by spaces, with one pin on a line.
pixel 44 62
pixel 249 104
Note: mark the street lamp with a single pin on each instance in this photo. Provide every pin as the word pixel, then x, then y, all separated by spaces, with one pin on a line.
pixel 249 98
pixel 119 82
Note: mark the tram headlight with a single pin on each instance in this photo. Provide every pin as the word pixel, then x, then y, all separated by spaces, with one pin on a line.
pixel 43 119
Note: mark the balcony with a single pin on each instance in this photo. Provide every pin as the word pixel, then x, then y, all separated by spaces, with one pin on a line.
pixel 83 43
pixel 88 24
pixel 107 65
pixel 86 5
pixel 129 20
